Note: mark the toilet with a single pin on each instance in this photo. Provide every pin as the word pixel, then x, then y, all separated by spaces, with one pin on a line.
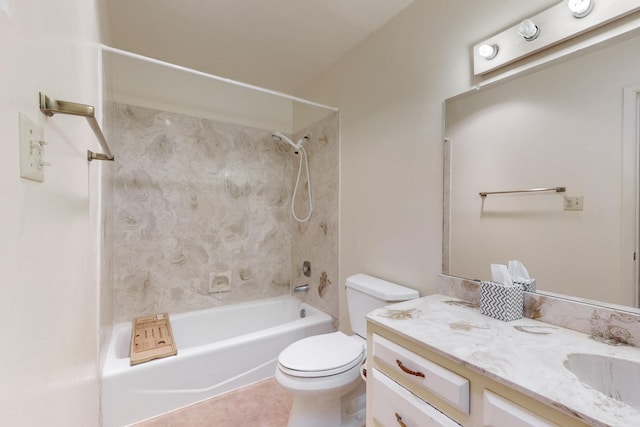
pixel 323 371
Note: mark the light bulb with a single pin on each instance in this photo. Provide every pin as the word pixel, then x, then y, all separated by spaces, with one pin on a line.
pixel 488 51
pixel 580 8
pixel 528 30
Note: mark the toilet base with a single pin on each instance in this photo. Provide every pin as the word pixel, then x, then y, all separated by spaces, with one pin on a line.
pixel 353 407
pixel 348 411
pixel 309 412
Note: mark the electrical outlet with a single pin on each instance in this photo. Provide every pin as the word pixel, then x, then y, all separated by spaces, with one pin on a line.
pixel 573 203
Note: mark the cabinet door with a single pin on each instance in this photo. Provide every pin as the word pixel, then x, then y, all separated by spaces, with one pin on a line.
pixel 499 412
pixel 395 406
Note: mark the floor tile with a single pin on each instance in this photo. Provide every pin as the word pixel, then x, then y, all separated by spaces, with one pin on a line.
pixel 262 404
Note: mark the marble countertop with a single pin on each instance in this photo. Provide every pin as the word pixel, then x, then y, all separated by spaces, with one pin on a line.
pixel 526 355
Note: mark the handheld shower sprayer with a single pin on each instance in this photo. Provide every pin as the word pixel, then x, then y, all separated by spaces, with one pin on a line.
pixel 282 137
pixel 298 148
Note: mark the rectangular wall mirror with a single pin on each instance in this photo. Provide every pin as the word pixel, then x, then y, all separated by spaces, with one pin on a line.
pixel 573 124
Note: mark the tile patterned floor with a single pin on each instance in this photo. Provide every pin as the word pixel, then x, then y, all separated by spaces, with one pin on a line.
pixel 263 404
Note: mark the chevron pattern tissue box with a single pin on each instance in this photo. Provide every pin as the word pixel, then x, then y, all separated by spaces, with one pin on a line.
pixel 527 285
pixel 503 302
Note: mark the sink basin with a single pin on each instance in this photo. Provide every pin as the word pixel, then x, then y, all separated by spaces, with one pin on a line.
pixel 617 378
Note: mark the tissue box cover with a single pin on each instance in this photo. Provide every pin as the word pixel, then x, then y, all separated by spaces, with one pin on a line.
pixel 527 285
pixel 503 302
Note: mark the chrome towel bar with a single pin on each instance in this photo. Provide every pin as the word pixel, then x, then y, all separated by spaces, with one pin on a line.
pixel 532 190
pixel 50 106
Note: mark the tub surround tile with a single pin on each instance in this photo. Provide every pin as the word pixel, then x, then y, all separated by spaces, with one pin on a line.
pixel 194 199
pixel 604 323
pixel 526 355
pixel 317 240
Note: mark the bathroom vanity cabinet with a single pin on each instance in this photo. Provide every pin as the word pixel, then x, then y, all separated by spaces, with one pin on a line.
pixel 415 386
pixel 436 362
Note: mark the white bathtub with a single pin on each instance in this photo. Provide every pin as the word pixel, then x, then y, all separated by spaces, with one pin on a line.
pixel 219 349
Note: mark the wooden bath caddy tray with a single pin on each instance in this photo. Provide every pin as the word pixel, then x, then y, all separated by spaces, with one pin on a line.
pixel 151 338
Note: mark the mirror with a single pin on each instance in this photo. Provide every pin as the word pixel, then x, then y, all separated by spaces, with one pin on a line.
pixel 571 124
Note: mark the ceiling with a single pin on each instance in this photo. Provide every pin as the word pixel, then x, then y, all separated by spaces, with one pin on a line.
pixel 276 44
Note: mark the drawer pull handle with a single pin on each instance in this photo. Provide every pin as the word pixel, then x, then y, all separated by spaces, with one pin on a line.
pixel 399 420
pixel 409 371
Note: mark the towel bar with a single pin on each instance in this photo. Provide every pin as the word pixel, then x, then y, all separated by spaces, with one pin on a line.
pixel 532 190
pixel 50 106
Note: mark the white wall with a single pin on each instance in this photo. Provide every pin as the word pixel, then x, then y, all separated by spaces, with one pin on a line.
pixel 390 91
pixel 137 82
pixel 48 286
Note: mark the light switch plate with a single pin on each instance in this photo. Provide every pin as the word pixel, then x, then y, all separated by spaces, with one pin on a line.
pixel 31 149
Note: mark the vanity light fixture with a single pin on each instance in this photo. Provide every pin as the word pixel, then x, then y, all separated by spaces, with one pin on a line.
pixel 528 30
pixel 559 25
pixel 580 8
pixel 488 51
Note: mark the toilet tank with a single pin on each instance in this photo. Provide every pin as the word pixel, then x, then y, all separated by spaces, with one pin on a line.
pixel 366 293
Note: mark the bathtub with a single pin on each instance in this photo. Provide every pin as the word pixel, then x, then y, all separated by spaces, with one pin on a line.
pixel 219 349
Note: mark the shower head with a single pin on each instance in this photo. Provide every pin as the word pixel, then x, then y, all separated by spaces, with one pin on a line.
pixel 282 137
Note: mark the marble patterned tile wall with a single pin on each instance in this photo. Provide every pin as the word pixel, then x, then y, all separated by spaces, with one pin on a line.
pixel 608 323
pixel 317 240
pixel 197 200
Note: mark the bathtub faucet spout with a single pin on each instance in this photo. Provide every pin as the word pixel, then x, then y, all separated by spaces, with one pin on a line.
pixel 301 288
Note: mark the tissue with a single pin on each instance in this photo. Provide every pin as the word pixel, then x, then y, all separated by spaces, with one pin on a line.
pixel 500 298
pixel 520 276
pixel 501 274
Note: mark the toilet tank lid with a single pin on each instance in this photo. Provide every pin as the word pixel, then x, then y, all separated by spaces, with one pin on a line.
pixel 386 291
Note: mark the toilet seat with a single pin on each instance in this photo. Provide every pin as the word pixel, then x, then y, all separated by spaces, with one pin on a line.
pixel 322 356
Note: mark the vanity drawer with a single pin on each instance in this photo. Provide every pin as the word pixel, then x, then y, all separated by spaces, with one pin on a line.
pixel 499 412
pixel 395 406
pixel 439 381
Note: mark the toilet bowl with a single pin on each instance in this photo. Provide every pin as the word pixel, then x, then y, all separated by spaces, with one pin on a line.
pixel 319 372
pixel 323 371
